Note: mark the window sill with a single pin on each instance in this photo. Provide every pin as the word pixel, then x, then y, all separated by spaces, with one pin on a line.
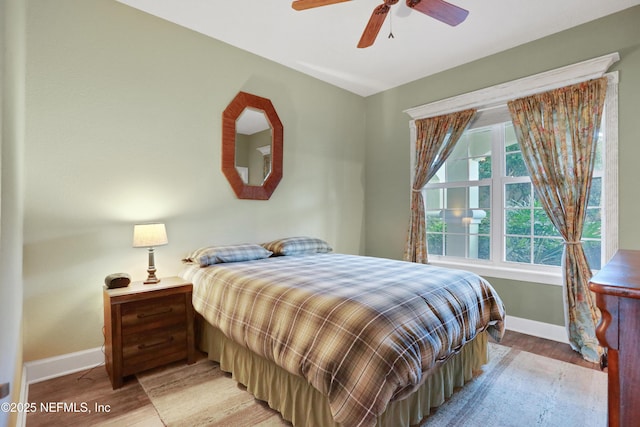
pixel 502 272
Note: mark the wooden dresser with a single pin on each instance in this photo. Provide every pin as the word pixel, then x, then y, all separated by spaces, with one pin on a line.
pixel 617 289
pixel 146 326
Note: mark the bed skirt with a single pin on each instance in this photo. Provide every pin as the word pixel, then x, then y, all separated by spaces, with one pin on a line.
pixel 303 405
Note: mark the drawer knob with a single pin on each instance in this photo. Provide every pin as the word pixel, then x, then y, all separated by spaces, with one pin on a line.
pixel 155 313
pixel 155 344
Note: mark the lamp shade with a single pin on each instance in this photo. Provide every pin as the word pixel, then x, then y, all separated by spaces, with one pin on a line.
pixel 149 235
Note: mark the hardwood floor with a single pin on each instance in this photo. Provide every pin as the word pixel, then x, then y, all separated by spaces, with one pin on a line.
pixel 547 348
pixel 96 403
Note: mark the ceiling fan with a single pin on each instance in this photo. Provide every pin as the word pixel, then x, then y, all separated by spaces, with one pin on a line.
pixel 438 9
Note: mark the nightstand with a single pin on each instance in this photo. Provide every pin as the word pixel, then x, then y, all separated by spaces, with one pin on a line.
pixel 147 326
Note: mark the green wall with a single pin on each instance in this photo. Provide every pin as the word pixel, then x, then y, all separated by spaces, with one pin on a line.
pixel 388 146
pixel 123 115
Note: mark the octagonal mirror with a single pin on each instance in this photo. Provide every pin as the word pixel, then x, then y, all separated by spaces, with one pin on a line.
pixel 252 137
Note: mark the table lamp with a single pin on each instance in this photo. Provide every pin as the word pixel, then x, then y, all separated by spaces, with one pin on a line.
pixel 149 236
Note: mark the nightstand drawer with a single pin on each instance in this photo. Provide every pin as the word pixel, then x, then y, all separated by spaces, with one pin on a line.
pixel 153 348
pixel 147 338
pixel 153 313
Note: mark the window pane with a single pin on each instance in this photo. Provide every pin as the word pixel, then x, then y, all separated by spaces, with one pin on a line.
pixel 434 244
pixel 461 149
pixel 593 251
pixel 464 206
pixel 511 145
pixel 466 246
pixel 518 221
pixel 480 151
pixel 453 221
pixel 595 195
pixel 479 142
pixel 542 225
pixel 455 245
pixel 547 251
pixel 592 224
pixel 473 247
pixel 469 169
pixel 440 175
pixel 457 170
pixel 484 167
pixel 484 247
pixel 514 165
pixel 510 140
pixel 518 195
pixel 518 249
pixel 484 197
pixel 435 222
pixel 456 198
pixel 599 164
pixel 474 198
pixel 485 224
pixel 434 198
pixel 471 157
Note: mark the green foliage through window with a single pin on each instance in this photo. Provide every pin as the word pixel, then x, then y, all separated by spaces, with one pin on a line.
pixel 459 201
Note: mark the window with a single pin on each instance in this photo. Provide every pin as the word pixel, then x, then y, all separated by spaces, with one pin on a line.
pixel 482 212
pixel 481 206
pixel 458 200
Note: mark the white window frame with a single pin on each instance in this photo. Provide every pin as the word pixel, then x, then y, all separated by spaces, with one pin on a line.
pixel 493 99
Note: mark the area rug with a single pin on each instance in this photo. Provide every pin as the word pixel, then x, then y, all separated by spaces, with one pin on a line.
pixel 203 395
pixel 521 389
pixel 516 388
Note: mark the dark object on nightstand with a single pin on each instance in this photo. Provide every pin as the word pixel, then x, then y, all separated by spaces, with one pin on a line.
pixel 117 280
pixel 147 326
pixel 4 390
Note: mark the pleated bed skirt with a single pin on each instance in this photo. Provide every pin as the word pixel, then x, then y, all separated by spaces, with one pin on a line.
pixel 304 406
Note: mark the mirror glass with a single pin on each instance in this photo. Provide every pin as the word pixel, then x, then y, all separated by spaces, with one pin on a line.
pixel 253 146
pixel 252 137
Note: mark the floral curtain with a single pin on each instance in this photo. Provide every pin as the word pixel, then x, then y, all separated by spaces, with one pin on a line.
pixel 557 132
pixel 435 139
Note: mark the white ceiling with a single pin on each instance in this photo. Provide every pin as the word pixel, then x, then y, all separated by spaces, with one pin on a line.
pixel 251 121
pixel 321 42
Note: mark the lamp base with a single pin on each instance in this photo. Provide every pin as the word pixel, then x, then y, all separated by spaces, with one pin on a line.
pixel 151 279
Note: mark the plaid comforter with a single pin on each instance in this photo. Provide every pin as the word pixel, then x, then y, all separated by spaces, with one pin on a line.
pixel 362 330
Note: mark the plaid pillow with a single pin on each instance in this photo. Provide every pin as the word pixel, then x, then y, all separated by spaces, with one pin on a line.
pixel 298 246
pixel 230 253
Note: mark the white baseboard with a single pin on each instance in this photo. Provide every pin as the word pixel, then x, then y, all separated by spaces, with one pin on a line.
pixel 537 329
pixel 57 366
pixel 21 420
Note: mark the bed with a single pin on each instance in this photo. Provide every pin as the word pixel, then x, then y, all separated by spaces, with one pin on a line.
pixel 333 339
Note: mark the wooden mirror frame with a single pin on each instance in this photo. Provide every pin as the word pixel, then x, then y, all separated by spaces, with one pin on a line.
pixel 229 116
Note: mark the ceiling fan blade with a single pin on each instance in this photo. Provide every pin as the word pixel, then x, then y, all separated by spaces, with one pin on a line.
pixel 440 10
pixel 373 26
pixel 308 4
